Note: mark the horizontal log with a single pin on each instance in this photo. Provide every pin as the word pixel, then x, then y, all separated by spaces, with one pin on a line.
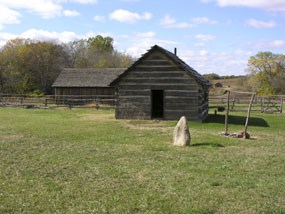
pixel 158 80
pixel 153 74
pixel 160 62
pixel 175 98
pixel 157 56
pixel 180 106
pixel 181 93
pixel 161 86
pixel 155 68
pixel 182 111
pixel 134 99
pixel 135 105
pixel 134 93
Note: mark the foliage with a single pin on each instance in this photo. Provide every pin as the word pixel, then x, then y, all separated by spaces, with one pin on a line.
pixel 85 161
pixel 27 65
pixel 96 52
pixel 212 76
pixel 269 69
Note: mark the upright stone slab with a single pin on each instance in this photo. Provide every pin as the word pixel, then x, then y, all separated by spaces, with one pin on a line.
pixel 181 133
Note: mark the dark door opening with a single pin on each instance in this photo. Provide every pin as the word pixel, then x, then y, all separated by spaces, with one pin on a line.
pixel 157 106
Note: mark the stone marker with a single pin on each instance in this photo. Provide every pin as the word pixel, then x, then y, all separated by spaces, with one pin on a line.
pixel 181 134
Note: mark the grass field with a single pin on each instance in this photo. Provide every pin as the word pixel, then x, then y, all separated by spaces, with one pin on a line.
pixel 85 161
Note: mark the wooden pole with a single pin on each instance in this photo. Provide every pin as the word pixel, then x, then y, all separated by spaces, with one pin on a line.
pixel 227 113
pixel 46 102
pixel 281 104
pixel 262 103
pixel 248 115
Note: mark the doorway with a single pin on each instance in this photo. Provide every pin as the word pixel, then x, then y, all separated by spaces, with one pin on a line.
pixel 157 104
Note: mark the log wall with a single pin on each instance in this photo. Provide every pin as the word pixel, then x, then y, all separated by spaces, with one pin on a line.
pixel 182 94
pixel 84 91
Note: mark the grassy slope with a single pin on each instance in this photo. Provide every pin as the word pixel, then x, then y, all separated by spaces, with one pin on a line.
pixel 84 161
pixel 234 84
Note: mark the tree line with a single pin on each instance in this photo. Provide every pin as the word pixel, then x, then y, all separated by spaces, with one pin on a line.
pixel 30 67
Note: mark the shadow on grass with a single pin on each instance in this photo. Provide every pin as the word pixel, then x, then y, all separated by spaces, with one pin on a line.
pixel 236 120
pixel 207 144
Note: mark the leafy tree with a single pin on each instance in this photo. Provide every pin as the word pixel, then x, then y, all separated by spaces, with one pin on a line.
pixel 96 52
pixel 77 53
pixel 13 77
pixel 212 76
pixel 267 68
pixel 28 65
pixel 44 61
pixel 100 43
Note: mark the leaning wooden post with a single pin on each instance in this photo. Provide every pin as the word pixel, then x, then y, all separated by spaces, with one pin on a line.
pixel 227 113
pixel 281 104
pixel 248 115
pixel 262 103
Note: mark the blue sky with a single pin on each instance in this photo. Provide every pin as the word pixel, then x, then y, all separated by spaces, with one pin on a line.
pixel 212 36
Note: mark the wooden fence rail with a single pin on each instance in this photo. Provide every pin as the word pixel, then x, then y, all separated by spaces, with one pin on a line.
pixel 264 104
pixel 51 101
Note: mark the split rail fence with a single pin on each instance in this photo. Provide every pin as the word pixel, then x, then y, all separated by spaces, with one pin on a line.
pixel 239 103
pixel 51 101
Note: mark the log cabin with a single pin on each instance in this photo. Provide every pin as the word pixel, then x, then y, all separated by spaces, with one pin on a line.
pixel 159 85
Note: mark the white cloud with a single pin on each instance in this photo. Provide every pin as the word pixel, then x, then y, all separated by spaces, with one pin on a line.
pixel 210 62
pixel 243 53
pixel 43 8
pixel 170 22
pixel 84 1
pixel 149 34
pixel 272 5
pixel 126 16
pixel 277 44
pixel 269 45
pixel 8 16
pixel 4 37
pixel 203 20
pixel 43 35
pixel 167 21
pixel 99 18
pixel 138 43
pixel 260 24
pixel 71 13
pixel 10 10
pixel 205 37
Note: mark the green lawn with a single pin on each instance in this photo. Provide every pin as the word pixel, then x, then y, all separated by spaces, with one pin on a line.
pixel 85 161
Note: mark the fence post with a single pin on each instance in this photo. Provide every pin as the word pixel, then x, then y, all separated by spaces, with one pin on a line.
pixel 248 115
pixel 281 104
pixel 46 102
pixel 262 103
pixel 233 105
pixel 227 113
pixel 97 103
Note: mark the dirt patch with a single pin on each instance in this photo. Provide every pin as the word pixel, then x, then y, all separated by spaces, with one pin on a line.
pixel 146 125
pixel 10 138
pixel 98 117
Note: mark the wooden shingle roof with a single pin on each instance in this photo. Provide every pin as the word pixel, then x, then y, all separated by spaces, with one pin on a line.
pixel 87 77
pixel 198 77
